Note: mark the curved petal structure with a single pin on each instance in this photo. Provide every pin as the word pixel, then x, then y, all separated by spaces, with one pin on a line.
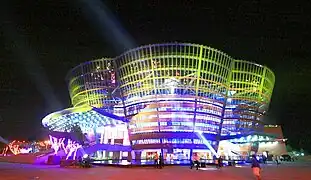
pixel 167 94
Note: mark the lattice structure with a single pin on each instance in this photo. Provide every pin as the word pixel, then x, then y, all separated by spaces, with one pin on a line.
pixel 189 87
pixel 85 116
pixel 183 86
pixel 175 88
pixel 249 95
pixel 93 83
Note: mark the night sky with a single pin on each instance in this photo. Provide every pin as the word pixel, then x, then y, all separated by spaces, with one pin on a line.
pixel 41 40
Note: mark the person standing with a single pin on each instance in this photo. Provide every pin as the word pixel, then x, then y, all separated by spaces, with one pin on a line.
pixel 161 163
pixel 264 159
pixel 156 160
pixel 216 160
pixel 192 161
pixel 278 161
pixel 220 162
pixel 256 168
pixel 195 161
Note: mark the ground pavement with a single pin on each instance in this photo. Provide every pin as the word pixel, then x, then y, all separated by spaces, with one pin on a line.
pixel 296 171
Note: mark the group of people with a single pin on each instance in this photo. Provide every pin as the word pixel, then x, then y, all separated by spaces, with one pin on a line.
pixel 195 161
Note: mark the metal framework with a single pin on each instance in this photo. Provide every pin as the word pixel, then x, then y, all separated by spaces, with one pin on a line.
pixel 176 87
pixel 250 91
pixel 87 117
pixel 93 83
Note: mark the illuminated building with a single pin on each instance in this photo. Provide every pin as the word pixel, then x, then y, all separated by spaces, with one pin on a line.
pixel 173 98
pixel 277 147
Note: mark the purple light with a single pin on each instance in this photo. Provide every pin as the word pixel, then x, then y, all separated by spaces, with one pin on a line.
pixel 73 148
pixel 70 148
pixel 57 144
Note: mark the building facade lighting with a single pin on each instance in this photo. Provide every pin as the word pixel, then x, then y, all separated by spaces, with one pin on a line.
pixel 166 93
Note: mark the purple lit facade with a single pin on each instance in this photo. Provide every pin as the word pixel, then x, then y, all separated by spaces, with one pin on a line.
pixel 176 99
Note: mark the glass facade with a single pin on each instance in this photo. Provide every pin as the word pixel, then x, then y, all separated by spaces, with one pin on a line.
pixel 249 94
pixel 93 83
pixel 170 92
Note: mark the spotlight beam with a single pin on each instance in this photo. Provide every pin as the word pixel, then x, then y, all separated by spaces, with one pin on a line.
pixel 27 58
pixel 106 24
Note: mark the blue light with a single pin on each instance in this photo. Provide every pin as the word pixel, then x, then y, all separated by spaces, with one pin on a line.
pixel 205 141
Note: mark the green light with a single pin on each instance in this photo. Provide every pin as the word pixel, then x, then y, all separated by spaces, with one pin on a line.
pixel 197 66
pixel 201 69
pixel 87 82
pixel 159 71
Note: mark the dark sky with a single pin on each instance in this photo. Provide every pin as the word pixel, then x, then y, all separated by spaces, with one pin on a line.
pixel 41 40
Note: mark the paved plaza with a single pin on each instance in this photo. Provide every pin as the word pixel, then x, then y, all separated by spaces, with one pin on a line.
pixel 301 171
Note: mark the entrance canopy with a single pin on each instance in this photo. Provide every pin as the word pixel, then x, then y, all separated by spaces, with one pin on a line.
pixel 87 117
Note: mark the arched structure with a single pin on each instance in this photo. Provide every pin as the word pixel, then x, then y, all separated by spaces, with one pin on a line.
pixel 174 96
pixel 249 95
pixel 87 117
pixel 184 88
pixel 93 83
